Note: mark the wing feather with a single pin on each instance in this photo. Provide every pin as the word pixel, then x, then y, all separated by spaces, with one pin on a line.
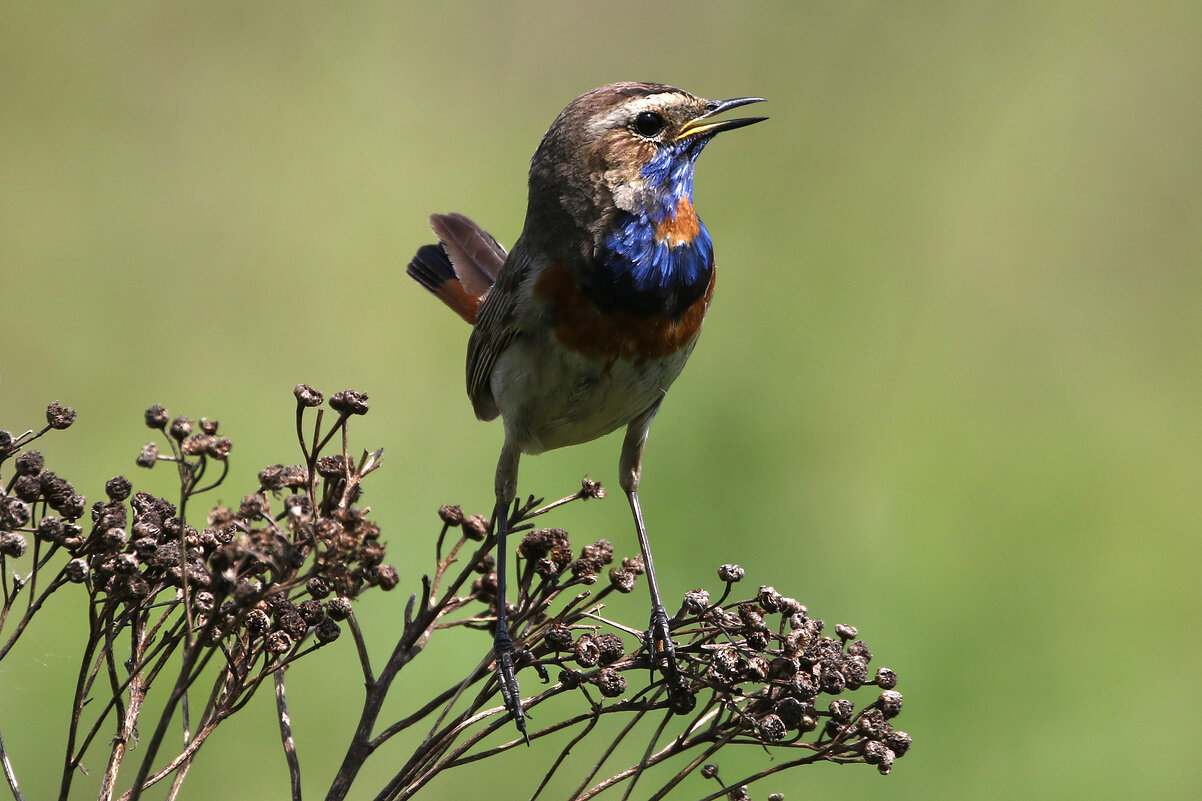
pixel 497 323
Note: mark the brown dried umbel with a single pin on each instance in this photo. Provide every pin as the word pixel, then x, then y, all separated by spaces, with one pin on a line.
pixel 239 595
pixel 756 671
pixel 255 590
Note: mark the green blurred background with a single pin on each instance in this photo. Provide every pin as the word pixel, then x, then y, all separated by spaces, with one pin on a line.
pixel 949 388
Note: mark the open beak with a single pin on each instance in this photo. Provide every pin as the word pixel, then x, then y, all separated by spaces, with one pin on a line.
pixel 707 126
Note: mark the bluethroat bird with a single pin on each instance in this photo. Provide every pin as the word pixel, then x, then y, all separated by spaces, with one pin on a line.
pixel 583 326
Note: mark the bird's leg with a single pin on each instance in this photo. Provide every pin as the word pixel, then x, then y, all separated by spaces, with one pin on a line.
pixel 659 635
pixel 660 647
pixel 503 650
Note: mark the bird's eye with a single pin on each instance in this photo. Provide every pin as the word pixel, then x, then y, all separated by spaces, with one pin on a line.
pixel 648 123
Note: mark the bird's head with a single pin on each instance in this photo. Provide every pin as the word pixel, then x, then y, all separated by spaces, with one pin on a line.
pixel 625 147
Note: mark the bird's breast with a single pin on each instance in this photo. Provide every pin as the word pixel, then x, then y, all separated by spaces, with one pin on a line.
pixel 579 325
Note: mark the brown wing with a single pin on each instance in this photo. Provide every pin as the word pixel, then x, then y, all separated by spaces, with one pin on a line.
pixel 497 323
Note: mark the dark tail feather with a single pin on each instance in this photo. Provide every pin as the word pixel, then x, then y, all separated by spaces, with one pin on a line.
pixel 431 267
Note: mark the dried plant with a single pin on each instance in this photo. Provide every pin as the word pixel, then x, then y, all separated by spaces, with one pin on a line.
pixel 205 616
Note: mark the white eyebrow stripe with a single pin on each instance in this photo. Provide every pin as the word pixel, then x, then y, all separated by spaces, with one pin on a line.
pixel 624 112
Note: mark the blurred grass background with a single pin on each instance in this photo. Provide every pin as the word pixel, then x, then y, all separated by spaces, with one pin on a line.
pixel 949 389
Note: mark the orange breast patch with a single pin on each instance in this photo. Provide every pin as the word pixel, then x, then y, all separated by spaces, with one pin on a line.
pixel 681 229
pixel 581 327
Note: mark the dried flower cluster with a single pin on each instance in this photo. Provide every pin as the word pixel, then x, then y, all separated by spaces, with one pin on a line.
pixel 759 671
pixel 256 588
pixel 251 589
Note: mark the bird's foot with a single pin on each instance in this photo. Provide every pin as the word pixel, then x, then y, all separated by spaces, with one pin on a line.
pixel 660 647
pixel 511 693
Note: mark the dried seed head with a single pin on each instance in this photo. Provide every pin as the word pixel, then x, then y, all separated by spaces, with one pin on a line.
pixel 387 577
pixel 156 417
pixel 559 638
pixel 755 669
pixel 29 463
pixel 872 724
pixel 550 546
pixel 113 539
pixel 181 428
pixel 475 527
pixel 14 512
pixel 886 679
pixel 348 402
pixel 790 711
pixel 317 587
pixel 790 606
pixel 312 612
pixel 591 489
pixel 27 488
pixel 486 565
pixel 257 622
pixel 622 580
pixel 220 447
pixel 339 608
pixel 118 488
pixel 730 573
pixel 845 632
pixel 59 417
pixel 331 466
pixel 890 703
pixel 295 476
pixel 634 564
pixel 898 742
pixel 610 648
pixel 278 642
pixel 610 682
pixel 841 710
pixel 769 599
pixel 290 621
pixel 196 444
pixel 695 601
pixel 586 652
pixel 860 648
pixel 307 396
pixel 327 630
pixel 50 529
pixel 600 553
pixel 76 571
pixel 752 618
pixel 832 682
pixel 874 752
pixel 451 515
pixel 148 455
pixel 771 728
pixel 12 544
pixel 855 671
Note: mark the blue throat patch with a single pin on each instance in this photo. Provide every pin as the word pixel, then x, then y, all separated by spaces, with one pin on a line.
pixel 640 272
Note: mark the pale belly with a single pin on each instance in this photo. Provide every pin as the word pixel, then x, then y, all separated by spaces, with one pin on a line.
pixel 550 397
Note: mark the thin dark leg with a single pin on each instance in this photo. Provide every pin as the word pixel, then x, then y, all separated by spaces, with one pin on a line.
pixel 659 635
pixel 503 649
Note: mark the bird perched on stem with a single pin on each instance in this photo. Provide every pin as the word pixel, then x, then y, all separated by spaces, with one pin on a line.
pixel 583 326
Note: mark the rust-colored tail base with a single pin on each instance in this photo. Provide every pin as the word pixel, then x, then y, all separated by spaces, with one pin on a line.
pixel 461 268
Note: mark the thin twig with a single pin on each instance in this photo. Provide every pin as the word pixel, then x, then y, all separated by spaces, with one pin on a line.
pixel 281 703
